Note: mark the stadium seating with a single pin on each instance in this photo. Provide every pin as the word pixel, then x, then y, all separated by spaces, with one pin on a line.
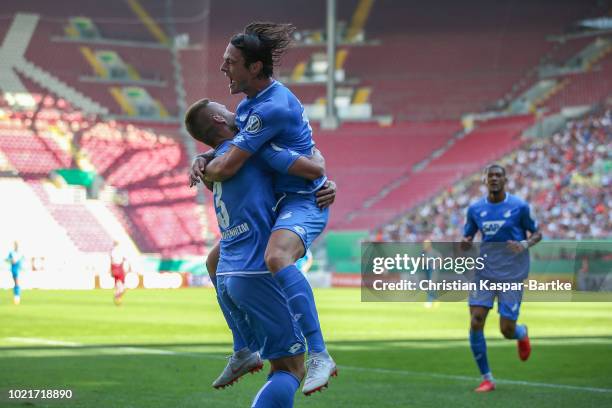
pixel 82 227
pixel 565 178
pixel 152 170
pixel 463 157
pixel 364 158
pixel 424 68
pixel 162 215
pixel 585 88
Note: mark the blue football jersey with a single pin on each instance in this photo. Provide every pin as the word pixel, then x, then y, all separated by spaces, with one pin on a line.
pixel 15 259
pixel 244 207
pixel 499 223
pixel 276 117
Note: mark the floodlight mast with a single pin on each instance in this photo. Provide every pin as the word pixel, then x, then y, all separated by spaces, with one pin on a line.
pixel 331 119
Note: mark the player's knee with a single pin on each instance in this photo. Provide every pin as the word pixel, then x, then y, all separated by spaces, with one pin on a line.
pixel 477 322
pixel 276 260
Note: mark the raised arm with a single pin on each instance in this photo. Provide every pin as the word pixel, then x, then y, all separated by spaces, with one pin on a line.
pixel 225 166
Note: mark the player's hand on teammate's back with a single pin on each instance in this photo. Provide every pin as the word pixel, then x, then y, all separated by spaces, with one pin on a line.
pixel 326 194
pixel 196 172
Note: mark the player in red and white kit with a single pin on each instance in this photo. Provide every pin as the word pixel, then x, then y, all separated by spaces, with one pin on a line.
pixel 118 270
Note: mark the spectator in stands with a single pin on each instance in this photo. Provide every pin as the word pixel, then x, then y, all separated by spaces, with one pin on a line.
pixel 567 177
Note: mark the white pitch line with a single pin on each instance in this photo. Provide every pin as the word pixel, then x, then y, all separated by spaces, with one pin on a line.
pixel 147 350
pixel 47 342
pixel 472 379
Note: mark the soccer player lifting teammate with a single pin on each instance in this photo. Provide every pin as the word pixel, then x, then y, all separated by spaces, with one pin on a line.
pixel 508 230
pixel 252 301
pixel 270 113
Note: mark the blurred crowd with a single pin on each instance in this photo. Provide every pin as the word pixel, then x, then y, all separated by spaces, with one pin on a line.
pixel 567 179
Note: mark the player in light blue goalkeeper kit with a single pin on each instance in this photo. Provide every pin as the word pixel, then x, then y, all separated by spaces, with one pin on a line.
pixel 270 113
pixel 15 258
pixel 253 303
pixel 508 229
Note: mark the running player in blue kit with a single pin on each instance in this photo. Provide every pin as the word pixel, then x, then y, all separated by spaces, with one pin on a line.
pixel 271 114
pixel 252 301
pixel 508 230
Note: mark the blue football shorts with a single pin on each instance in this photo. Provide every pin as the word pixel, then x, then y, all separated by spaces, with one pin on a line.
pixel 508 302
pixel 259 300
pixel 299 213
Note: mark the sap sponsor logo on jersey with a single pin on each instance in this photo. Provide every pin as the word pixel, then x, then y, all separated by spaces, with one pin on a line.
pixel 285 215
pixel 491 227
pixel 253 124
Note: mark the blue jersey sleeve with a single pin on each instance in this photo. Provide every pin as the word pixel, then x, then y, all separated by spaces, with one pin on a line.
pixel 470 228
pixel 279 158
pixel 263 124
pixel 528 221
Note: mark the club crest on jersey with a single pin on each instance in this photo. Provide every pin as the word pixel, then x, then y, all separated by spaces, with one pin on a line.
pixel 299 230
pixel 253 124
pixel 507 214
pixel 483 213
pixel 491 227
pixel 239 139
pixel 242 117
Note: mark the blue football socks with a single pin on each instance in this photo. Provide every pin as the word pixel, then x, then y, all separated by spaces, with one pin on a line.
pixel 520 331
pixel 302 304
pixel 479 350
pixel 277 392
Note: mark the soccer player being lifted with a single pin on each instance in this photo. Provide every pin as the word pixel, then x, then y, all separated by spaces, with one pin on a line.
pixel 252 300
pixel 508 230
pixel 271 114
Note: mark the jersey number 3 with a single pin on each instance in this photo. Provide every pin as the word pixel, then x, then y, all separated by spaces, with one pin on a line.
pixel 220 209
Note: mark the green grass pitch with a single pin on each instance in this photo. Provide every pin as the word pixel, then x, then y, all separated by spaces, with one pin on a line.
pixel 164 348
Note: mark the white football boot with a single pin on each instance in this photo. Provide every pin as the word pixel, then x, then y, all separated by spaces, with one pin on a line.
pixel 240 363
pixel 319 366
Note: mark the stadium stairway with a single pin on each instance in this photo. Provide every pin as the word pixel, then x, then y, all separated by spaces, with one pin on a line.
pixel 15 44
pixel 113 227
pixel 25 218
pixel 60 88
pixel 82 227
pixel 462 156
